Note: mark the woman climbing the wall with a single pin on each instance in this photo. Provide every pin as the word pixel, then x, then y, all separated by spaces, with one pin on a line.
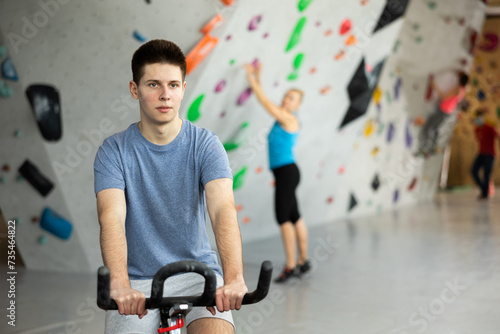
pixel 281 141
pixel 448 102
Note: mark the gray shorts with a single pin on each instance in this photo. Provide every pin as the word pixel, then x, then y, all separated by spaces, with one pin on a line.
pixel 188 284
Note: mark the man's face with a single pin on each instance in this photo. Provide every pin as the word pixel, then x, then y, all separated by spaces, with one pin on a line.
pixel 160 92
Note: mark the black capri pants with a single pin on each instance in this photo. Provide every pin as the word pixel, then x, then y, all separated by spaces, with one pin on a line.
pixel 285 202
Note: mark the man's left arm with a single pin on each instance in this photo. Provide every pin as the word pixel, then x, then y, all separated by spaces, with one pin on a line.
pixel 222 212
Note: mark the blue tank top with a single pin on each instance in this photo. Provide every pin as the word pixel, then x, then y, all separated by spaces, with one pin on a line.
pixel 281 144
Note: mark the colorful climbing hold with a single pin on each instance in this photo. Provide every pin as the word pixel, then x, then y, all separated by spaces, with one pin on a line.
pixel 432 5
pixel 377 94
pixel 227 2
pixel 341 170
pixel 295 37
pixel 340 55
pixel 481 95
pixel 325 90
pixel 3 180
pixel 18 133
pixel 239 178
pixel 55 224
pixel 8 70
pixel 266 35
pixel 232 61
pixel 328 32
pixel 375 151
pixel 408 135
pixel 412 185
pixel 296 65
pixel 312 70
pixel 397 87
pixel 419 121
pixel 351 40
pixel 139 37
pixel 5 91
pixel 3 51
pixel 254 22
pixel 303 4
pixel 42 240
pixel 238 138
pixel 194 109
pixel 345 27
pixel 390 132
pixel 396 196
pixel 329 200
pixel 215 21
pixel 220 86
pixel 369 128
pixel 244 96
pixel 6 168
pixel 201 50
pixel 246 220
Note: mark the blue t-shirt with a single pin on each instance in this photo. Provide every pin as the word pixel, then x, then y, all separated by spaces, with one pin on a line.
pixel 164 191
pixel 281 144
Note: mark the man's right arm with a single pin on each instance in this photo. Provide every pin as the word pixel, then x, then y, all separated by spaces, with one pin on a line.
pixel 112 209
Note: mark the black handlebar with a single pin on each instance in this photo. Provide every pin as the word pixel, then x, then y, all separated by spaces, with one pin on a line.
pixel 207 298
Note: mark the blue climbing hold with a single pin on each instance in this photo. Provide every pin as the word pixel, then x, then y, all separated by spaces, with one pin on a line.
pixel 140 37
pixel 55 224
pixel 8 70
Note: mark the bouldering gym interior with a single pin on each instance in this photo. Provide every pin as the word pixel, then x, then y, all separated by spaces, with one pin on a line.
pixel 387 110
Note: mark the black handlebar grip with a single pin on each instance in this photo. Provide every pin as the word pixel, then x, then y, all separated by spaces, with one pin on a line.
pixel 206 298
pixel 104 300
pixel 266 271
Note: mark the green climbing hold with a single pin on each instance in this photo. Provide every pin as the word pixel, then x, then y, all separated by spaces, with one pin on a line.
pixel 293 76
pixel 3 51
pixel 303 4
pixel 418 39
pixel 296 65
pixel 238 138
pixel 42 240
pixel 3 180
pixel 194 110
pixel 239 178
pixel 498 112
pixel 232 61
pixel 298 61
pixel 295 38
pixel 432 5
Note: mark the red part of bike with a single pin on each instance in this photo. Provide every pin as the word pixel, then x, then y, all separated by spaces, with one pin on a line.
pixel 179 324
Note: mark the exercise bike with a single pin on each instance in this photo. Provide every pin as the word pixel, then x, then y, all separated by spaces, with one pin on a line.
pixel 173 310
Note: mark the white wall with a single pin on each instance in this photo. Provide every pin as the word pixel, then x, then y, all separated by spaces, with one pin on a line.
pixel 84 49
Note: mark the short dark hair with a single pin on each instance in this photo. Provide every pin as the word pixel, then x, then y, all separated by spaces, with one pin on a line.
pixel 157 51
pixel 464 79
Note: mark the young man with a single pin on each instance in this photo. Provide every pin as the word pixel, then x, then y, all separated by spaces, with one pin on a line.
pixel 486 135
pixel 151 181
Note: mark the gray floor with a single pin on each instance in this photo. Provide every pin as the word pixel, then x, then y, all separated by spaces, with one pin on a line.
pixel 434 268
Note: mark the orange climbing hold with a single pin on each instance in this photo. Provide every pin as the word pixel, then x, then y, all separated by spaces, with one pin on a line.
pixel 200 51
pixel 340 55
pixel 227 2
pixel 351 40
pixel 211 24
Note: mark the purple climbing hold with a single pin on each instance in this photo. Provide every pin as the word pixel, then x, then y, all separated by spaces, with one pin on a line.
pixel 397 87
pixel 244 96
pixel 220 86
pixel 396 196
pixel 255 63
pixel 254 23
pixel 409 137
pixel 390 132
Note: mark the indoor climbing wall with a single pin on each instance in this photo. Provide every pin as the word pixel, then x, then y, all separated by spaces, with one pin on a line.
pixel 363 66
pixel 484 94
pixel 436 39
